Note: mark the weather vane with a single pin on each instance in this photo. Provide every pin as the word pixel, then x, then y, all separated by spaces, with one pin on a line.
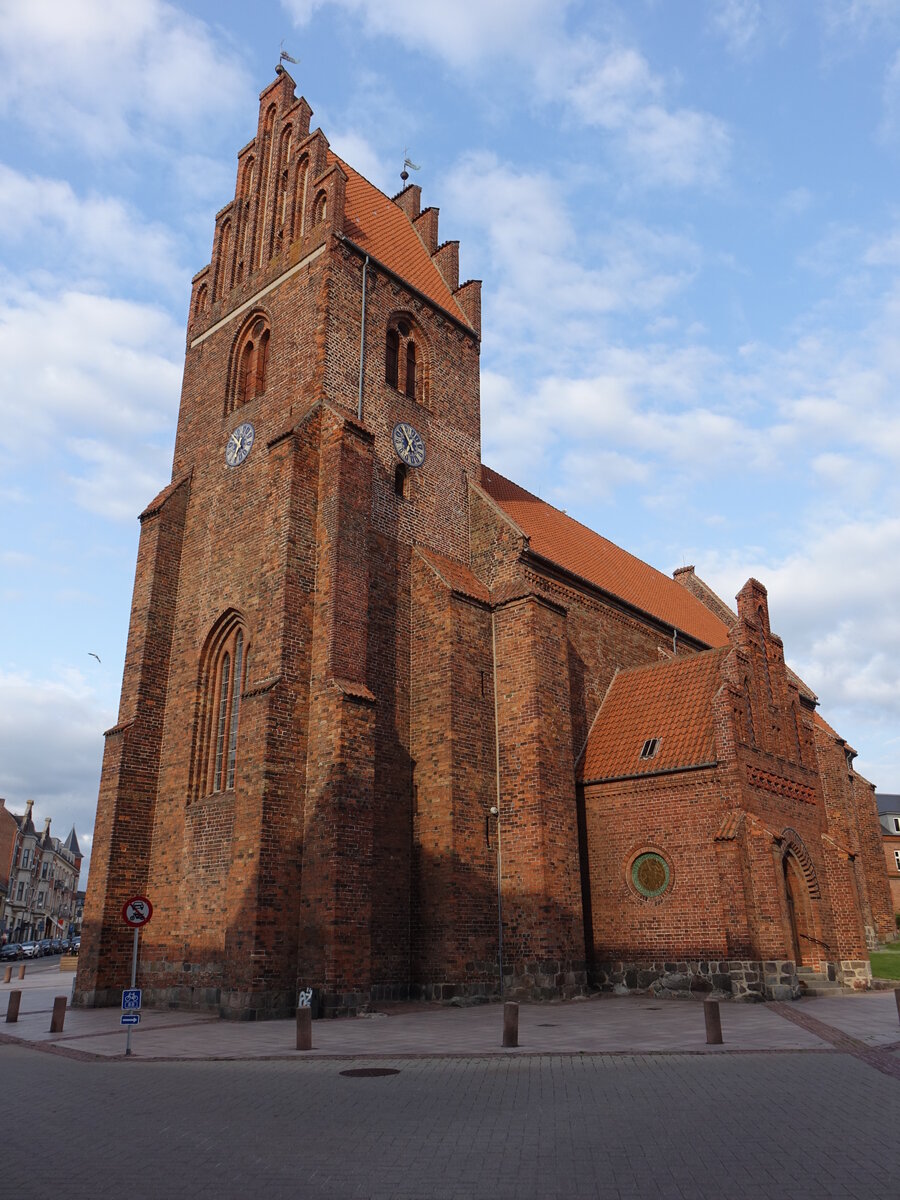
pixel 408 162
pixel 285 57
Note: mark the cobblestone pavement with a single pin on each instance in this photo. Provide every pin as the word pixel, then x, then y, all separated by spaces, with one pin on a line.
pixel 686 1127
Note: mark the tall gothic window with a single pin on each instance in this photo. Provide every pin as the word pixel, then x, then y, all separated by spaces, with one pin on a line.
pixel 223 274
pixel 406 359
pixel 250 362
pixel 223 678
pixel 392 357
pixel 299 226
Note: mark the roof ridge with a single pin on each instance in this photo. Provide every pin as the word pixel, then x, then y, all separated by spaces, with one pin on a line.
pixel 575 521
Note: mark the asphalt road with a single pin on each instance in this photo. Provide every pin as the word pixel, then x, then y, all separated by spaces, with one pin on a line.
pixel 797 1125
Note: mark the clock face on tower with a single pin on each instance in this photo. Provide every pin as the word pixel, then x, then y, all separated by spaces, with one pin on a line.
pixel 239 444
pixel 408 444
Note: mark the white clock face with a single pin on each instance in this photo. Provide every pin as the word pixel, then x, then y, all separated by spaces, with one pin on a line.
pixel 239 444
pixel 408 444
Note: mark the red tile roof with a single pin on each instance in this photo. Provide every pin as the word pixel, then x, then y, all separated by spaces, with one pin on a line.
pixel 457 577
pixel 577 549
pixel 376 224
pixel 669 700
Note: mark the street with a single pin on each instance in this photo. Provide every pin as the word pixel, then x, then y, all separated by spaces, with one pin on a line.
pixel 799 1124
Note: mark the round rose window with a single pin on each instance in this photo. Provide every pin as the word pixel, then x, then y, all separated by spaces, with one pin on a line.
pixel 650 874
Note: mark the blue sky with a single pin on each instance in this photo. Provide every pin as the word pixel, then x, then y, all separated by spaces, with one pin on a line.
pixel 687 223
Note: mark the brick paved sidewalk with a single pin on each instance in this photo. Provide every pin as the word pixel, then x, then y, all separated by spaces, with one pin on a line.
pixel 597 1026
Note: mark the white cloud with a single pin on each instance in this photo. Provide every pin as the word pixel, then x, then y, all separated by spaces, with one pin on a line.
pixel 603 83
pixel 95 375
pixel 63 784
pixel 95 236
pixel 356 149
pixel 462 32
pixel 738 23
pixel 547 294
pixel 116 482
pixel 106 77
pixel 859 18
pixel 891 99
pixel 796 202
pixel 833 601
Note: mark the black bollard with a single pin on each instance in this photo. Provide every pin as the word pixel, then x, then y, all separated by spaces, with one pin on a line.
pixel 713 1022
pixel 897 998
pixel 510 1023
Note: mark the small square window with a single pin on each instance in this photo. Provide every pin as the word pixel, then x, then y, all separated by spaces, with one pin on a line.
pixel 897 859
pixel 650 748
pixel 896 821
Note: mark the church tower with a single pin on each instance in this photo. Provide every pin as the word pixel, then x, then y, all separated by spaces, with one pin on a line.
pixel 258 785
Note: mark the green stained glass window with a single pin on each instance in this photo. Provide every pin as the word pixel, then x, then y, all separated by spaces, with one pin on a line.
pixel 650 874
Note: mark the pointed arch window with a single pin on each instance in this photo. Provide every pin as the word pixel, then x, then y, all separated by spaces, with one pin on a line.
pixel 406 359
pixel 223 274
pixel 299 225
pixel 250 363
pixel 411 369
pixel 748 713
pixel 320 212
pixel 392 357
pixel 223 677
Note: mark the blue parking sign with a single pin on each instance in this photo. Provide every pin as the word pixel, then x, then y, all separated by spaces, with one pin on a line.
pixel 131 999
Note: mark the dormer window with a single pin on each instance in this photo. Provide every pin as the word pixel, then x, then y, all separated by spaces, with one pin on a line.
pixel 650 748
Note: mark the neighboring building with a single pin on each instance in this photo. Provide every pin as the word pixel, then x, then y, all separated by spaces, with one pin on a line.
pixel 889 815
pixel 366 672
pixel 42 882
pixel 8 831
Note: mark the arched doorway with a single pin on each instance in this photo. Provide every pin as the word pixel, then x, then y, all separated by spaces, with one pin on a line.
pixel 801 930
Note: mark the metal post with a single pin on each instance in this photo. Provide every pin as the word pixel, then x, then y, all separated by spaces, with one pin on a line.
pixel 12 1010
pixel 713 1022
pixel 897 998
pixel 304 1028
pixel 59 1014
pixel 134 953
pixel 510 1023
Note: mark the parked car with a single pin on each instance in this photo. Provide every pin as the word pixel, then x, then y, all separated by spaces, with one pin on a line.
pixel 66 946
pixel 31 949
pixel 76 945
pixel 46 946
pixel 10 952
pixel 56 945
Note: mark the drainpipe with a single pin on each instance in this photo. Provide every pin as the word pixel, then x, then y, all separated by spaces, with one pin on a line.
pixel 495 812
pixel 362 343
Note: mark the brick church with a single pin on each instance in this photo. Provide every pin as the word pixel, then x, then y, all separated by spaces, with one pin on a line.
pixel 390 725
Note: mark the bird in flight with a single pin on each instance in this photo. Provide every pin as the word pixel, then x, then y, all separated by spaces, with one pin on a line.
pixel 91 654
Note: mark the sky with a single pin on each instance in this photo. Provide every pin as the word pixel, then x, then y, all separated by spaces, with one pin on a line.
pixel 687 223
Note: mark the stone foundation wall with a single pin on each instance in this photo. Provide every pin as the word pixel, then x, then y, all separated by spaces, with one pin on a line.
pixel 855 973
pixel 736 979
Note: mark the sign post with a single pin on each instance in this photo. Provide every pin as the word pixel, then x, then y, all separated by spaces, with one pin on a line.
pixel 136 913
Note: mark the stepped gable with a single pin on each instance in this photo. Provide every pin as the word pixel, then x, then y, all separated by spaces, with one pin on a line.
pixel 579 550
pixel 670 700
pixel 380 227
